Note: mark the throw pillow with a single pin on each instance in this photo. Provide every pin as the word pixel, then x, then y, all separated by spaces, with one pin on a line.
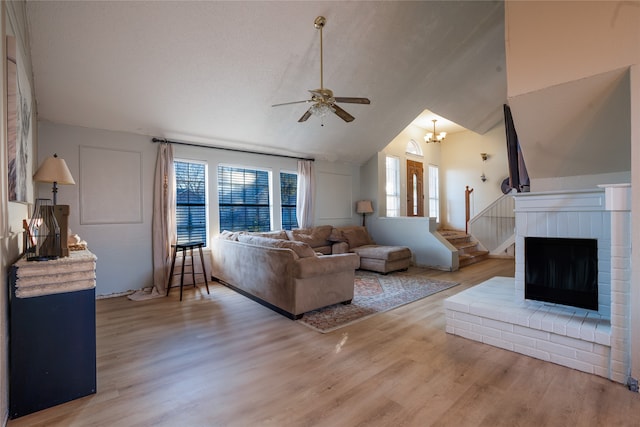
pixel 357 236
pixel 278 234
pixel 336 236
pixel 314 237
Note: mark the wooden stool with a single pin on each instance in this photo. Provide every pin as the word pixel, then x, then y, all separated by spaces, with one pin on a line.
pixel 183 247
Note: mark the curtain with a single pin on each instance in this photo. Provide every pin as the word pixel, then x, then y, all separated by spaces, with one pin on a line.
pixel 518 176
pixel 164 216
pixel 305 193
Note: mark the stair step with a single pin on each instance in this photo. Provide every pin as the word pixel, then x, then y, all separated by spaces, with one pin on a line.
pixel 455 237
pixel 459 240
pixel 452 233
pixel 472 258
pixel 465 245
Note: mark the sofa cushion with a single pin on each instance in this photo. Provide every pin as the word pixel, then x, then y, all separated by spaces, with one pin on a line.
pixel 300 249
pixel 325 265
pixel 278 234
pixel 387 253
pixel 314 237
pixel 336 236
pixel 229 235
pixel 324 250
pixel 357 236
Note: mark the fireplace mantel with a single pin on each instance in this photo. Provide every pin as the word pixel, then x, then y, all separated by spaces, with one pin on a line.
pixel 561 201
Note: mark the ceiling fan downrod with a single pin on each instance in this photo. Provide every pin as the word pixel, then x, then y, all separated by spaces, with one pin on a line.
pixel 319 24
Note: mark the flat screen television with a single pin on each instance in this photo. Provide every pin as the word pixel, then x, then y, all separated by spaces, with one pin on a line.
pixel 562 271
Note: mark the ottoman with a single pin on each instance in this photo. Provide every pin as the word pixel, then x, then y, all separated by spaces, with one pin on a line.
pixel 383 259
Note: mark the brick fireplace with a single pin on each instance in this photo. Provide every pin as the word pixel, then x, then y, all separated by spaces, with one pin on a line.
pixel 496 312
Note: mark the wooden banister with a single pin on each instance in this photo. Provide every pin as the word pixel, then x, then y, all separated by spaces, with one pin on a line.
pixel 467 209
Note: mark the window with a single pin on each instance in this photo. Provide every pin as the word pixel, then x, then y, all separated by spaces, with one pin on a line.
pixel 413 148
pixel 191 201
pixel 434 193
pixel 393 186
pixel 244 199
pixel 288 199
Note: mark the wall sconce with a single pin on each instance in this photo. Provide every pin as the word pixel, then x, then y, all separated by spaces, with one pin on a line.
pixel 364 207
pixel 54 170
pixel 484 157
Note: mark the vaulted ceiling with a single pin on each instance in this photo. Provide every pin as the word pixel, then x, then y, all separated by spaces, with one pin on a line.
pixel 208 72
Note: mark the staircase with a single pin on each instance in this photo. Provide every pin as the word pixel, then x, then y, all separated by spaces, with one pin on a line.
pixel 469 250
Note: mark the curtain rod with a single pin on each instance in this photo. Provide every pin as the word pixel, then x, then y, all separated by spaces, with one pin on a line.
pixel 191 144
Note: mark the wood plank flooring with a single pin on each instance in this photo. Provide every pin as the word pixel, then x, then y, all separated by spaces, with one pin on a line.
pixel 224 360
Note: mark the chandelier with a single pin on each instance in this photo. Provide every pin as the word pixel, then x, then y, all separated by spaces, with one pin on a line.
pixel 433 137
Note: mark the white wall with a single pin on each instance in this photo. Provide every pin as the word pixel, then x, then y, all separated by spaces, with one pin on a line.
pixel 338 190
pixel 124 249
pixel 580 182
pixel 462 166
pixel 571 107
pixel 553 42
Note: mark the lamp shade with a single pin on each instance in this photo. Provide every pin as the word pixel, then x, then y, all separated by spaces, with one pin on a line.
pixel 54 169
pixel 364 207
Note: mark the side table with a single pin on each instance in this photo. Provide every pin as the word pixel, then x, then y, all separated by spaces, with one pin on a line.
pixel 183 247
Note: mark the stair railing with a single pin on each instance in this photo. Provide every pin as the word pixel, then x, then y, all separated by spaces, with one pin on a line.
pixel 495 224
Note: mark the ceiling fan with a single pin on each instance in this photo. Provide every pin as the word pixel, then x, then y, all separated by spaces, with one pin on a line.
pixel 323 100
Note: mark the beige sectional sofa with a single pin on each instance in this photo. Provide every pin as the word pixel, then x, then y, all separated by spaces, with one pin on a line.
pixel 288 276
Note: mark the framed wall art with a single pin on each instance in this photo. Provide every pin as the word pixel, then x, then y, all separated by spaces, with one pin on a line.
pixel 19 126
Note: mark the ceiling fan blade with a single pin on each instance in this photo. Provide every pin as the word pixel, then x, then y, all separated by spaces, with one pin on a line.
pixel 351 100
pixel 305 116
pixel 289 103
pixel 343 114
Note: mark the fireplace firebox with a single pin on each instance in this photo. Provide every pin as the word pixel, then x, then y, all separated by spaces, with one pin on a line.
pixel 562 271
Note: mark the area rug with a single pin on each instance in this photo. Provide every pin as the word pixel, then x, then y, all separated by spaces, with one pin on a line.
pixel 373 294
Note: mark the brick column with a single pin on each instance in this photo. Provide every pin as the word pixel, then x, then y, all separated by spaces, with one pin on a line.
pixel 618 203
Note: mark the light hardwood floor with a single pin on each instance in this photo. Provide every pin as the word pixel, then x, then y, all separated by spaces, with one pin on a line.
pixel 224 360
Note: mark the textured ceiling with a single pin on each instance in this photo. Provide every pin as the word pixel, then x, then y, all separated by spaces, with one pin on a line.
pixel 208 72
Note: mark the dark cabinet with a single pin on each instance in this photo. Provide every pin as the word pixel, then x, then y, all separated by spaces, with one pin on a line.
pixel 52 348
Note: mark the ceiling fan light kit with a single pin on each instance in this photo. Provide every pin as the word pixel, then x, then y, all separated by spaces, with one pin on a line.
pixel 323 100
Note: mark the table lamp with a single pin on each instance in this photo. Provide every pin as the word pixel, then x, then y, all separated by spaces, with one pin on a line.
pixel 364 207
pixel 54 170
